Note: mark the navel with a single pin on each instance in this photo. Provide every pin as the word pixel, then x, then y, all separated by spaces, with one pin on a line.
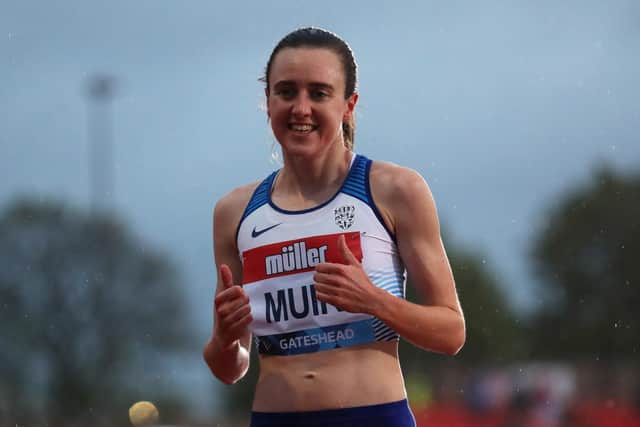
pixel 309 375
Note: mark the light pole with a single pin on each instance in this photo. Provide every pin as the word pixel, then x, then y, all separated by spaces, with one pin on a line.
pixel 100 91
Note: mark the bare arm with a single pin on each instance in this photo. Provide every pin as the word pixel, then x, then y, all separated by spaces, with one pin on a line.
pixel 408 207
pixel 438 323
pixel 227 352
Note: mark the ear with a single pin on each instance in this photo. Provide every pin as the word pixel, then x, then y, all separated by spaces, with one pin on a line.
pixel 351 105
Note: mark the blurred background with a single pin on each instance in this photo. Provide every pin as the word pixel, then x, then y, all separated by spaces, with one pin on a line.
pixel 122 123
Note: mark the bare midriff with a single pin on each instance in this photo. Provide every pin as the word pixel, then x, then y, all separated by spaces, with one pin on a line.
pixel 356 376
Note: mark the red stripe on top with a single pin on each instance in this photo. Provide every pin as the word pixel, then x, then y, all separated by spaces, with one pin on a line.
pixel 299 255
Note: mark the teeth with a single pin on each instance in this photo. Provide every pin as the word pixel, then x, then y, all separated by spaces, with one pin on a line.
pixel 301 128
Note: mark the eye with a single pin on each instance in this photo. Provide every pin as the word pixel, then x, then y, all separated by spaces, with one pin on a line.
pixel 319 95
pixel 286 92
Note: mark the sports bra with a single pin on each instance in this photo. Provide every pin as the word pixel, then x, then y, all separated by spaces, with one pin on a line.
pixel 280 249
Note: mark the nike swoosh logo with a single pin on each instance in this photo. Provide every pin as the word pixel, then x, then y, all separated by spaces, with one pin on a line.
pixel 256 233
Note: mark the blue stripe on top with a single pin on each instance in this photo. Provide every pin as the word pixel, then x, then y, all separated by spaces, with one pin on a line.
pixel 259 197
pixel 356 185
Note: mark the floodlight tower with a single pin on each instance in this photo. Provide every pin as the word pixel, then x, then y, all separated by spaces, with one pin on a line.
pixel 100 91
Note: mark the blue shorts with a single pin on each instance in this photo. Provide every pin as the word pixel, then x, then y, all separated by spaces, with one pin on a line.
pixel 395 414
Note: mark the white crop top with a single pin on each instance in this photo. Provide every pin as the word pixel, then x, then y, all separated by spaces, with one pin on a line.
pixel 279 250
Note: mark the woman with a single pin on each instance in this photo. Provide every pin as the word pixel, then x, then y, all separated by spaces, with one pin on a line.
pixel 312 260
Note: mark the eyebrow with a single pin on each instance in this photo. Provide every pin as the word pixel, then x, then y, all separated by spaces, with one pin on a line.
pixel 315 85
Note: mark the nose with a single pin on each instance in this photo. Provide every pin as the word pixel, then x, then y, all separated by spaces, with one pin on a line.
pixel 301 105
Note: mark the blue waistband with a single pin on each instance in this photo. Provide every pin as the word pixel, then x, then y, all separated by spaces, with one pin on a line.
pixel 394 414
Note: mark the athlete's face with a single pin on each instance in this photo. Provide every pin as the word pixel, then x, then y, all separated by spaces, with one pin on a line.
pixel 306 99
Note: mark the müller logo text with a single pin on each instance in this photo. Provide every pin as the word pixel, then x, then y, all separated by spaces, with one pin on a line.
pixel 294 257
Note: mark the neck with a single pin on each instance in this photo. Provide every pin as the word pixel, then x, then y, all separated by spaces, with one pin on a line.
pixel 313 179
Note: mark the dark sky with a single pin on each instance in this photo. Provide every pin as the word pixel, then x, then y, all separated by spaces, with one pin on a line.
pixel 501 105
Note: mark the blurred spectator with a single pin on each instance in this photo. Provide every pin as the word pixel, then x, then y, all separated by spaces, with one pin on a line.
pixel 535 395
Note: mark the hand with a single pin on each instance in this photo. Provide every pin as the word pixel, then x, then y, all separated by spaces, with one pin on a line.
pixel 232 310
pixel 346 286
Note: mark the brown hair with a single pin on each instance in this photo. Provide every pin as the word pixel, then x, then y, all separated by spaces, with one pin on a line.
pixel 320 38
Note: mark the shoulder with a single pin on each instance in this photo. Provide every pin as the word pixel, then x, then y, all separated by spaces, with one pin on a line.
pixel 394 180
pixel 229 208
pixel 391 184
pixel 400 193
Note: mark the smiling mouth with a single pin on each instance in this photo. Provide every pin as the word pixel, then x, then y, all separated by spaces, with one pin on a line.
pixel 299 127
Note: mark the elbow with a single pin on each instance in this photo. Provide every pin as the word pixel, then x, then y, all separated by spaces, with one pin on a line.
pixel 227 373
pixel 208 356
pixel 208 359
pixel 221 375
pixel 455 347
pixel 457 340
pixel 226 380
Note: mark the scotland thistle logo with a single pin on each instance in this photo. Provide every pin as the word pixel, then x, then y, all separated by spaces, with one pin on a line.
pixel 344 216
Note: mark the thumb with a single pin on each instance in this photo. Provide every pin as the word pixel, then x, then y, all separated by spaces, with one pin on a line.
pixel 347 256
pixel 226 276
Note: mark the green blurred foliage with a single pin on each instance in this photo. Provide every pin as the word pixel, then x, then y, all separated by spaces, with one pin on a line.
pixel 588 257
pixel 494 330
pixel 85 309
